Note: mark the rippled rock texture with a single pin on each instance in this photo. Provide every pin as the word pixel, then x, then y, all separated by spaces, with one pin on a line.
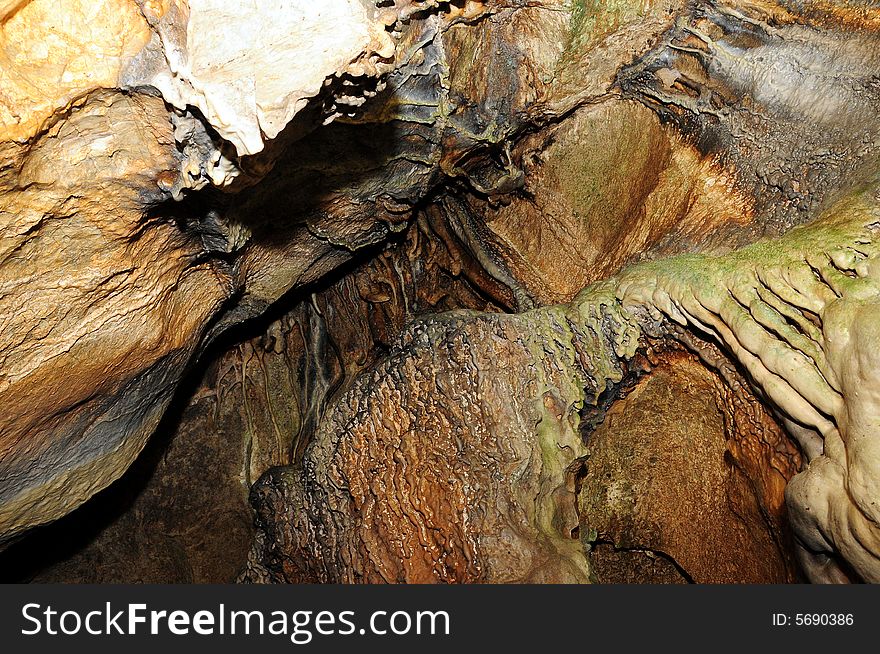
pixel 422 291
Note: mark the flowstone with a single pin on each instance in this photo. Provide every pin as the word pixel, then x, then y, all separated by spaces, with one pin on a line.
pixel 456 459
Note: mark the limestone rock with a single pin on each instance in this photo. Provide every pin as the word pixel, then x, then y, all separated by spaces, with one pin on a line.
pixel 668 472
pixel 103 307
pixel 250 67
pixel 110 288
pixel 169 183
pixel 52 54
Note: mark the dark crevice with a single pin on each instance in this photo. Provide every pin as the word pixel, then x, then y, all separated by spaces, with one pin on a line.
pixel 648 552
pixel 46 545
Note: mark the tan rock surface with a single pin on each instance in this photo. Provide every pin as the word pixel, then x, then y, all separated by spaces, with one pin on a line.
pixel 678 464
pixel 108 290
pixel 53 53
pixel 97 299
pixel 163 182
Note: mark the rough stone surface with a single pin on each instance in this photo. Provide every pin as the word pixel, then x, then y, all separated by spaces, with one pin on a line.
pixel 163 185
pixel 665 475
pixel 607 187
pixel 51 54
pixel 250 67
pixel 254 408
pixel 99 317
pixel 446 463
pixel 494 379
pixel 110 289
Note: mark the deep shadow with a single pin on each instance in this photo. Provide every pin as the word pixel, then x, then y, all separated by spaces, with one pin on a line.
pixel 307 165
pixel 45 546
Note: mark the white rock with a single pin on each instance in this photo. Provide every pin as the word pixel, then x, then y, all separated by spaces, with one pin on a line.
pixel 251 65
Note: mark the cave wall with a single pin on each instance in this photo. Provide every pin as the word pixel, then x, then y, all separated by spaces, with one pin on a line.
pixel 251 408
pixel 358 300
pixel 686 458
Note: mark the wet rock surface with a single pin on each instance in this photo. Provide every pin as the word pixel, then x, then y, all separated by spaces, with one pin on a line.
pixel 361 301
pixel 665 495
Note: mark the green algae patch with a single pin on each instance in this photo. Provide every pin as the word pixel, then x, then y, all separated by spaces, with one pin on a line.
pixel 592 20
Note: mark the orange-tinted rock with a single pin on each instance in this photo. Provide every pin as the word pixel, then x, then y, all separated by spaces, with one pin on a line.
pixel 684 482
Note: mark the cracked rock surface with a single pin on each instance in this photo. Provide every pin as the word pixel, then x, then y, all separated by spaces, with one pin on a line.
pixel 424 291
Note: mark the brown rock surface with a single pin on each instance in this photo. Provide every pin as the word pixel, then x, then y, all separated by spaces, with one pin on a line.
pixel 110 289
pixel 166 190
pixel 669 491
pixel 103 306
pixel 429 469
pixel 607 187
pixel 254 408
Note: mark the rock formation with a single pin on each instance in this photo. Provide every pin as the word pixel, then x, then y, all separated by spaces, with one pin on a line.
pixel 456 291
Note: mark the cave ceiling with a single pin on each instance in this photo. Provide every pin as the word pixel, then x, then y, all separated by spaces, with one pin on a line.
pixel 379 291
